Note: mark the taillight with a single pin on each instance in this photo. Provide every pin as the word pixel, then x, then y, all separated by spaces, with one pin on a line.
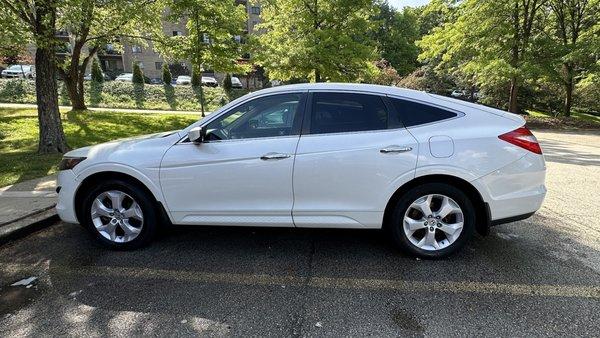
pixel 523 138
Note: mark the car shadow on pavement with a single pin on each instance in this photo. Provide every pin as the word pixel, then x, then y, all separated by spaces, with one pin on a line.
pixel 564 153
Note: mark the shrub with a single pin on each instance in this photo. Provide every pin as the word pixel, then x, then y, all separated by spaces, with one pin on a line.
pixel 196 78
pixel 166 74
pixel 227 85
pixel 97 75
pixel 138 75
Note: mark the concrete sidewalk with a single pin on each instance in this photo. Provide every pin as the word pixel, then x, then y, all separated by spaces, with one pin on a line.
pixel 118 110
pixel 27 203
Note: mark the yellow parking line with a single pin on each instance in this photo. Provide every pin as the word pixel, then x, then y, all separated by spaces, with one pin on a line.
pixel 347 283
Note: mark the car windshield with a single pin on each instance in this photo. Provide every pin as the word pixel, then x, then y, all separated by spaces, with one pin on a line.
pixel 18 67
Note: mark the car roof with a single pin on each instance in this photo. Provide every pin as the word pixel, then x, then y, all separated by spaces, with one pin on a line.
pixel 359 87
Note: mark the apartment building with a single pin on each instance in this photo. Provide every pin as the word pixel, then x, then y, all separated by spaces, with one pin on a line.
pixel 114 62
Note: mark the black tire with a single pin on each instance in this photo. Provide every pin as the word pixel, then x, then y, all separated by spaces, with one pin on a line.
pixel 143 199
pixel 396 223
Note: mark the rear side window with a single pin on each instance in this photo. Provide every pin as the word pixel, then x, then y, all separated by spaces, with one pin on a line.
pixel 413 114
pixel 347 112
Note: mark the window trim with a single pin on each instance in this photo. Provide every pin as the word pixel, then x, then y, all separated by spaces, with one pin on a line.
pixel 309 105
pixel 296 125
pixel 458 113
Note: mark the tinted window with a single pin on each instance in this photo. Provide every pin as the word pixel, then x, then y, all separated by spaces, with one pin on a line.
pixel 346 112
pixel 263 117
pixel 412 113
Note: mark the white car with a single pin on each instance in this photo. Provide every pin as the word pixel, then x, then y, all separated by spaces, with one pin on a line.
pixel 429 169
pixel 183 80
pixel 236 83
pixel 209 81
pixel 125 77
pixel 19 71
pixel 458 93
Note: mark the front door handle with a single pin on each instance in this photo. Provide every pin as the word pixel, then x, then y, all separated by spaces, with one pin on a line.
pixel 274 156
pixel 395 149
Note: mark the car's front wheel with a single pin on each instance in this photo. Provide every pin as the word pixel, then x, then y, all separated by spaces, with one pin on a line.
pixel 120 214
pixel 433 220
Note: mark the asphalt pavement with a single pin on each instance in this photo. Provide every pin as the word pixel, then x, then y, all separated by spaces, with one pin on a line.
pixel 537 277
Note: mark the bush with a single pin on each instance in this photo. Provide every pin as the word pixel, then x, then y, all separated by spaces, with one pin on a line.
pixel 227 85
pixel 196 78
pixel 166 74
pixel 122 95
pixel 97 75
pixel 138 75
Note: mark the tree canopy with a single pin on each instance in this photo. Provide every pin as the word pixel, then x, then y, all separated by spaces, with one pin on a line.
pixel 317 40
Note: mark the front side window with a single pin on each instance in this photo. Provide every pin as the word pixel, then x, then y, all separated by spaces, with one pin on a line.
pixel 347 112
pixel 269 116
pixel 413 113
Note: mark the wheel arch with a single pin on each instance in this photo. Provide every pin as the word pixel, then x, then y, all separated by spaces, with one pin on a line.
pixel 98 177
pixel 482 214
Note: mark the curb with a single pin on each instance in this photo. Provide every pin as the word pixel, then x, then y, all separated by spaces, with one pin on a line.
pixel 27 225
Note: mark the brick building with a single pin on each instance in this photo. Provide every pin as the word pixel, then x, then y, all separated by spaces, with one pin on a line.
pixel 114 62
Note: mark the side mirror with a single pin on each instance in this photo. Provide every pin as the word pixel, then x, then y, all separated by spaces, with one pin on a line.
pixel 197 134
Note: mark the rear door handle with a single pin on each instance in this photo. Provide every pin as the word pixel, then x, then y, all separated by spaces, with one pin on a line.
pixel 395 149
pixel 274 156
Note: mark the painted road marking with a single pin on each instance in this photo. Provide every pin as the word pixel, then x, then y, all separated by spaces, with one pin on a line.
pixel 543 290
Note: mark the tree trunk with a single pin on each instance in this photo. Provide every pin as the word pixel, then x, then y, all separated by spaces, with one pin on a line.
pixel 512 101
pixel 568 83
pixel 52 137
pixel 317 75
pixel 76 93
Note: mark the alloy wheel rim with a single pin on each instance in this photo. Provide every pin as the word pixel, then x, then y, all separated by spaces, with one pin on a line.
pixel 117 216
pixel 433 222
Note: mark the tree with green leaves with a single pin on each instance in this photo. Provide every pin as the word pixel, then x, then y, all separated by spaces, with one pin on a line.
pixel 210 42
pixel 138 75
pixel 166 74
pixel 92 24
pixel 395 34
pixel 320 40
pixel 488 43
pixel 574 43
pixel 35 21
pixel 97 75
pixel 227 85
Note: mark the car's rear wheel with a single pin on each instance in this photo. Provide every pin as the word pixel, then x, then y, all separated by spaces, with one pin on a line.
pixel 433 220
pixel 120 215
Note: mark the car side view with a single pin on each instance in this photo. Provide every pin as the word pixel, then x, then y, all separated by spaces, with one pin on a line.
pixel 428 169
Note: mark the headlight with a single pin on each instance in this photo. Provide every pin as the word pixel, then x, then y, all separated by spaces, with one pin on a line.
pixel 68 163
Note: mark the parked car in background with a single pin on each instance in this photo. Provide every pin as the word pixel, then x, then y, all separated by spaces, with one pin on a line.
pixel 88 77
pixel 429 169
pixel 156 80
pixel 209 81
pixel 19 71
pixel 125 77
pixel 183 80
pixel 458 93
pixel 236 83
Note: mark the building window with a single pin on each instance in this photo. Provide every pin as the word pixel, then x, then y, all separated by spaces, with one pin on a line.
pixel 255 10
pixel 158 65
pixel 177 33
pixel 136 49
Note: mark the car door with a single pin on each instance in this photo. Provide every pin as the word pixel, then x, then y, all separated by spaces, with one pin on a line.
pixel 242 173
pixel 352 155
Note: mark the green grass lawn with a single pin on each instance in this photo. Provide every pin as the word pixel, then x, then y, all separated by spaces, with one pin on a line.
pixel 19 137
pixel 574 115
pixel 577 120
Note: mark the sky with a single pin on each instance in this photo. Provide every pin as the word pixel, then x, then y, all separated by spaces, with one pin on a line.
pixel 402 3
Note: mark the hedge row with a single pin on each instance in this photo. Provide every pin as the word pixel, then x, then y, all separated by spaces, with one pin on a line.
pixel 114 94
